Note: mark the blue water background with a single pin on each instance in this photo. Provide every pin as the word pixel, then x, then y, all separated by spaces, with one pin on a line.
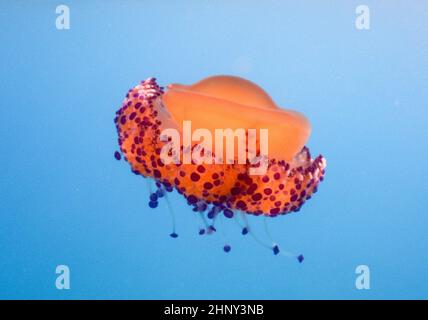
pixel 65 200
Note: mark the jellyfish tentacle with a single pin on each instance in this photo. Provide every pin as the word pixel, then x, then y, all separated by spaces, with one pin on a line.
pixel 245 227
pixel 276 248
pixel 173 234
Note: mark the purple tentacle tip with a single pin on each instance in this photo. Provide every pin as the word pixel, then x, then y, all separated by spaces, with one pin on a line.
pixel 275 250
pixel 117 155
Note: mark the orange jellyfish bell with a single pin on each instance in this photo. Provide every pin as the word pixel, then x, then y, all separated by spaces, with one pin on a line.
pixel 154 134
pixel 233 102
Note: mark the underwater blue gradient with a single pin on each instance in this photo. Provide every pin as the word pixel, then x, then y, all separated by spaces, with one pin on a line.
pixel 64 199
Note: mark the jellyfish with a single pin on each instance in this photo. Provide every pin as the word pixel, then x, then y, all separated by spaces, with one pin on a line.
pixel 152 125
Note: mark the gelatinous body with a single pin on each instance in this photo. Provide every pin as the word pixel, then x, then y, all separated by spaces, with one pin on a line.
pixel 233 102
pixel 291 176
